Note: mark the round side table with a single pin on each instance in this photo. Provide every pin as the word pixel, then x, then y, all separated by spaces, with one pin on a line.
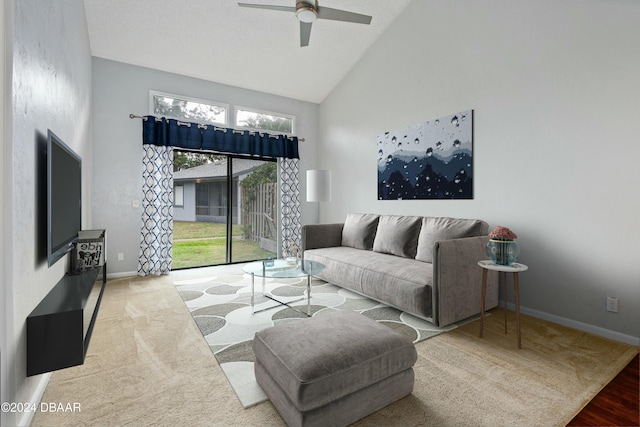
pixel 514 268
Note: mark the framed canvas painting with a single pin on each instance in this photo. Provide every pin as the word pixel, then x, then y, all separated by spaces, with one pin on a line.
pixel 430 160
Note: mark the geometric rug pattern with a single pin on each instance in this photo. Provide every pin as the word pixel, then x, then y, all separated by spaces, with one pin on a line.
pixel 221 307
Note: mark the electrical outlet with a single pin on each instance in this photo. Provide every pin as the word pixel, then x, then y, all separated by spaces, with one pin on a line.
pixel 135 204
pixel 612 304
pixel 120 256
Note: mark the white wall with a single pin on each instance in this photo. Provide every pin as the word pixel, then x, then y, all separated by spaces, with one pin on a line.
pixel 556 96
pixel 51 89
pixel 120 89
pixel 6 18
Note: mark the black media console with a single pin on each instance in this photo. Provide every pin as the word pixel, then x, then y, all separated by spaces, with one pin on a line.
pixel 60 327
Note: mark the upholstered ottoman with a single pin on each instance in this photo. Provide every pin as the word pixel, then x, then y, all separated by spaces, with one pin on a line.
pixel 332 369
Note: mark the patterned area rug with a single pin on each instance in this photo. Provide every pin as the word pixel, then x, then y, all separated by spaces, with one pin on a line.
pixel 221 307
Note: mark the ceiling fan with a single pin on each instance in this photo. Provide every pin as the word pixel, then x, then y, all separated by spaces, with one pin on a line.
pixel 308 11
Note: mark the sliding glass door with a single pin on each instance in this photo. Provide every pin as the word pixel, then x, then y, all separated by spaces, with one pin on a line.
pixel 224 209
pixel 254 219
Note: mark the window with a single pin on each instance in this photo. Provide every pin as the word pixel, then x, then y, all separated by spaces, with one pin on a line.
pixel 247 118
pixel 178 195
pixel 187 108
pixel 228 205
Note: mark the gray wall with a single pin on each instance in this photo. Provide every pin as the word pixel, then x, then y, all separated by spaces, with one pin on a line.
pixel 6 298
pixel 555 92
pixel 50 88
pixel 121 89
pixel 187 212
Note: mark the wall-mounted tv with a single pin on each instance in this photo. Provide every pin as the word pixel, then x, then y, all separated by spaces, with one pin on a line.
pixel 64 198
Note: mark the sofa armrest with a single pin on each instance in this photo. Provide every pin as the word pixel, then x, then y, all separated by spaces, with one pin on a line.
pixel 457 280
pixel 315 236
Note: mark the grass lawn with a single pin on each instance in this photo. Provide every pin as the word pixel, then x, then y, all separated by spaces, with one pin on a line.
pixel 198 244
pixel 199 230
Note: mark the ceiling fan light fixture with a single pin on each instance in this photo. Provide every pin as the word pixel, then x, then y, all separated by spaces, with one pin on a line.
pixel 306 14
pixel 307 11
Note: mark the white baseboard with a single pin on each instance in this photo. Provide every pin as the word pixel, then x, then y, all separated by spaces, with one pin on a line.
pixel 121 275
pixel 575 324
pixel 27 416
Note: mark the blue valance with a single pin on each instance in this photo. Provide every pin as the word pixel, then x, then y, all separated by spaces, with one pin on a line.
pixel 194 136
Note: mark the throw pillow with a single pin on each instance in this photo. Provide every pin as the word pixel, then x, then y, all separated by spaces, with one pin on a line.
pixel 359 230
pixel 397 235
pixel 435 229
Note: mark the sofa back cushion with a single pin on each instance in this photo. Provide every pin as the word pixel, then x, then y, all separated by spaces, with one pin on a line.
pixel 435 229
pixel 397 235
pixel 359 230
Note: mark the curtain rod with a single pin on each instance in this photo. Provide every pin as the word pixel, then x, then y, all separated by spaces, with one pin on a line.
pixel 133 116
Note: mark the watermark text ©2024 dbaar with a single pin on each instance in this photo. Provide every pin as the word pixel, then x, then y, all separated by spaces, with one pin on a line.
pixel 19 407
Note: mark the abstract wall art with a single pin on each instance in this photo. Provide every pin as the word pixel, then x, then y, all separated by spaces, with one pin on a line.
pixel 430 160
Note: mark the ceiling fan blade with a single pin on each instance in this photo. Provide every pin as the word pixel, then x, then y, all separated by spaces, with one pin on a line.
pixel 268 6
pixel 305 33
pixel 342 15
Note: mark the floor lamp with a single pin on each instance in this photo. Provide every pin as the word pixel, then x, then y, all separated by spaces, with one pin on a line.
pixel 318 186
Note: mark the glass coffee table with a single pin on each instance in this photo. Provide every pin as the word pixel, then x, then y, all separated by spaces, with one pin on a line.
pixel 280 268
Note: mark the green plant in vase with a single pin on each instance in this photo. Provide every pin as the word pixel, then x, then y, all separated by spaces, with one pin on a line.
pixel 502 247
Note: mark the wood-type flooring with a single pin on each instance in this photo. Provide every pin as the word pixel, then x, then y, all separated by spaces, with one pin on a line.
pixel 618 404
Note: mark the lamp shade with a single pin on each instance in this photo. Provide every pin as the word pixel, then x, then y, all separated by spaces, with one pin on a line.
pixel 318 186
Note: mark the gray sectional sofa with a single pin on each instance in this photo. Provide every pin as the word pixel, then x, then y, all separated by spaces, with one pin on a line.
pixel 426 266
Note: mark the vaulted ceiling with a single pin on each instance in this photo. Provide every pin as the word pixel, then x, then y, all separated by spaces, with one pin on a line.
pixel 251 48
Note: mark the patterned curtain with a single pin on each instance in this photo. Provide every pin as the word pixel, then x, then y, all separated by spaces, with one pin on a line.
pixel 157 211
pixel 291 226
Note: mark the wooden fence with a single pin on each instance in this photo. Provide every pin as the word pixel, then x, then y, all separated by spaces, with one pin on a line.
pixel 259 212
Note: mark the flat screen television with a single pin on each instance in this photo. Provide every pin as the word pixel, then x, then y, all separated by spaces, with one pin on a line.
pixel 64 198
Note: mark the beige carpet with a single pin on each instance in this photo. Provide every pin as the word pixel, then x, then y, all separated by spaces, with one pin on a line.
pixel 219 303
pixel 148 365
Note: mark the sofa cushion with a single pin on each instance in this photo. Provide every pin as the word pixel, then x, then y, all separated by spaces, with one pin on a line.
pixel 403 283
pixel 435 229
pixel 397 235
pixel 359 230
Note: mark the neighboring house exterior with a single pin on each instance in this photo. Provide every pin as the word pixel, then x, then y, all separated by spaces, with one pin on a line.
pixel 200 193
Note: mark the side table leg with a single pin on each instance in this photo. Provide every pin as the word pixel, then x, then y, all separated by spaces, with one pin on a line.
pixel 484 295
pixel 504 289
pixel 308 295
pixel 253 278
pixel 516 289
